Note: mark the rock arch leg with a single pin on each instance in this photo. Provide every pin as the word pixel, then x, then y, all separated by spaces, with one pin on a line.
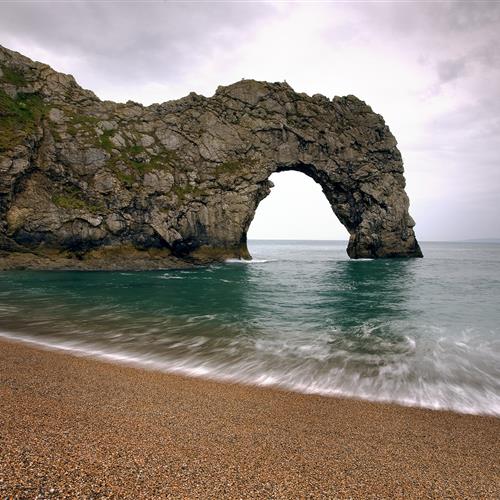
pixel 377 220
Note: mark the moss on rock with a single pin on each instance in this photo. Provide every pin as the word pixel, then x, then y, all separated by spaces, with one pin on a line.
pixel 19 118
pixel 12 76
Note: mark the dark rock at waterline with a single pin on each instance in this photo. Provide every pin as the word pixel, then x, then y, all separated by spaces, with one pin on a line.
pixel 81 178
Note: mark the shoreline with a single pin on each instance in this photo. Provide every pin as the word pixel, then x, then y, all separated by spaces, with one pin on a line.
pixel 152 365
pixel 134 261
pixel 114 258
pixel 77 426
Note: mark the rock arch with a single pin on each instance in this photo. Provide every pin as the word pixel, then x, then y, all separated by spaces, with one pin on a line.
pixel 341 144
pixel 185 177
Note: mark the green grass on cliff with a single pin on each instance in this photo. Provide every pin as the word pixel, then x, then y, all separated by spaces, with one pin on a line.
pixel 82 123
pixel 233 166
pixel 72 198
pixel 68 201
pixel 124 178
pixel 187 191
pixel 105 141
pixel 12 76
pixel 136 149
pixel 19 117
pixel 135 159
pixel 163 160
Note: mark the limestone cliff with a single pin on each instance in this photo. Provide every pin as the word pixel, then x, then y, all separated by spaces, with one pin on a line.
pixel 87 183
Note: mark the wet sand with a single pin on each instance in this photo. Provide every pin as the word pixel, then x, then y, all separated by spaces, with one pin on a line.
pixel 76 427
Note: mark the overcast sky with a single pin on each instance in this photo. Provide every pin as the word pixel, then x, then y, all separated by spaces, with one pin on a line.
pixel 432 69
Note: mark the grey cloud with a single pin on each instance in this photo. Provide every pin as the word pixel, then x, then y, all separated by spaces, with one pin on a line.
pixel 438 28
pixel 451 69
pixel 489 54
pixel 137 41
pixel 424 18
pixel 466 16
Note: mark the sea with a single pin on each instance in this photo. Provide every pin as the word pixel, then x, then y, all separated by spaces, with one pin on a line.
pixel 300 316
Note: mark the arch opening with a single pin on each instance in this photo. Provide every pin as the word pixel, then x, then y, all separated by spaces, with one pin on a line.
pixel 296 209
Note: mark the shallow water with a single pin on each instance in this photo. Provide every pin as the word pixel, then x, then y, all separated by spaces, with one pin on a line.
pixel 301 316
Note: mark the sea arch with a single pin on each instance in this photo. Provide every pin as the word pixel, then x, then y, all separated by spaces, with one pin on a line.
pixel 340 143
pixel 367 198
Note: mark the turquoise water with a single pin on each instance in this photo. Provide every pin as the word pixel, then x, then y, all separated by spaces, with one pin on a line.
pixel 301 316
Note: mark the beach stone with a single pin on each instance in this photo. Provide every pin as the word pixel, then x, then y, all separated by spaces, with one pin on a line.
pixel 188 175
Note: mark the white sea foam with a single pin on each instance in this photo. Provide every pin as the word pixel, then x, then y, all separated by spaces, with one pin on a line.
pixel 394 383
pixel 243 261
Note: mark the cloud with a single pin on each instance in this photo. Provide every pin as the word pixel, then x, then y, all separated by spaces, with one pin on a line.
pixel 126 44
pixel 451 69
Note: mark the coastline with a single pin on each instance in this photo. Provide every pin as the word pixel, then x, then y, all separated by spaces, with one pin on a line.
pixel 81 427
pixel 117 260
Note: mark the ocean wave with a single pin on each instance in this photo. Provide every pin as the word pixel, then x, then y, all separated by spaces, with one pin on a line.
pixel 394 383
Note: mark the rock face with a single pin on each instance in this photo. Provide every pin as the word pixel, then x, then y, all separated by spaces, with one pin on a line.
pixel 82 179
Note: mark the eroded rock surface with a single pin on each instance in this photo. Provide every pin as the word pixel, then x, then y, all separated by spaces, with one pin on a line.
pixel 82 179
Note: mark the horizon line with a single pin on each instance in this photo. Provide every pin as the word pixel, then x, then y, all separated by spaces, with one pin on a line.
pixel 467 240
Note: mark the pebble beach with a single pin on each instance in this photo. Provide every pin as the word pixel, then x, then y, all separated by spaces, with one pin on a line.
pixel 75 427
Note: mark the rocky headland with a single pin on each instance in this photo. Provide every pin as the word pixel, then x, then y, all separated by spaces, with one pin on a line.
pixel 91 184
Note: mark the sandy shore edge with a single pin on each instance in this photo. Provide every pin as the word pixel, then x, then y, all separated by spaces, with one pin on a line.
pixel 73 426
